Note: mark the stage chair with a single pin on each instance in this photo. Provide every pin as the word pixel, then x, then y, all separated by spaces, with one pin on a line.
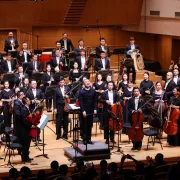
pixel 96 121
pixel 153 131
pixel 163 168
pixel 160 176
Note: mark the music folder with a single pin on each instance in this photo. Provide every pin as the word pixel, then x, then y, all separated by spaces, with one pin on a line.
pixel 43 121
pixel 72 107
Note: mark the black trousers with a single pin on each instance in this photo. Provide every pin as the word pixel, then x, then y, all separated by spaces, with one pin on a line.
pixel 137 144
pixel 48 102
pixel 7 116
pixel 133 73
pixel 61 119
pixel 87 124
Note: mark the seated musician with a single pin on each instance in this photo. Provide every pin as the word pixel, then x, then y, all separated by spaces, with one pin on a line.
pixel 11 44
pixel 9 65
pixel 129 49
pixel 146 86
pixel 123 83
pixel 78 49
pixel 48 80
pixel 135 103
pixel 19 76
pixel 83 61
pixel 24 55
pixel 75 73
pixel 34 66
pixel 174 102
pixel 176 77
pixel 102 63
pixel 102 47
pixel 25 86
pixel 58 47
pixel 110 79
pixel 59 103
pixel 58 61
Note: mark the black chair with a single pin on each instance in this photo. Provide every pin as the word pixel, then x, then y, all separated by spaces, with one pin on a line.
pixel 153 131
pixel 96 121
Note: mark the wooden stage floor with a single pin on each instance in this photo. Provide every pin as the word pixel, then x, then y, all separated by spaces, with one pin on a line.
pixel 54 149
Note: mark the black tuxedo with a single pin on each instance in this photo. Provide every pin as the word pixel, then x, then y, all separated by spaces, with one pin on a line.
pixel 77 51
pixel 99 50
pixel 169 89
pixel 6 68
pixel 54 61
pixel 128 47
pixel 69 44
pixel 106 117
pixel 99 65
pixel 7 44
pixel 78 60
pixel 31 67
pixel 21 58
pixel 62 116
pixel 88 103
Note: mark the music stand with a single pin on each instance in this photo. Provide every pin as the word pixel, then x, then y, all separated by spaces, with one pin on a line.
pixel 38 77
pixel 37 51
pixel 13 53
pixel 104 74
pixel 85 74
pixel 25 65
pixel 57 75
pixel 10 77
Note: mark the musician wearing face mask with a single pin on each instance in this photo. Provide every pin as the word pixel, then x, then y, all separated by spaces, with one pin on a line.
pixel 24 55
pixel 102 47
pixel 108 98
pixel 102 63
pixel 80 46
pixel 60 96
pixel 11 44
pixel 19 76
pixel 9 65
pixel 83 61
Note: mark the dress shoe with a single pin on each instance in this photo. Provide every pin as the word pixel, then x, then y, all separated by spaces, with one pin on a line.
pixel 138 149
pixel 65 136
pixel 113 141
pixel 39 140
pixel 58 137
pixel 107 142
pixel 84 142
pixel 132 149
pixel 31 159
pixel 90 142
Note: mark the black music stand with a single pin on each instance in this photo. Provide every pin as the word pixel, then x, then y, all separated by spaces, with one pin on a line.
pixel 38 51
pixel 25 65
pixel 86 74
pixel 13 53
pixel 57 75
pixel 10 77
pixel 38 77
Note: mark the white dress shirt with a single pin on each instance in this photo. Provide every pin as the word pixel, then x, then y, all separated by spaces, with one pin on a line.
pixel 62 90
pixel 35 64
pixel 12 41
pixel 34 92
pixel 83 61
pixel 132 46
pixel 9 66
pixel 175 79
pixel 136 101
pixel 81 47
pixel 167 84
pixel 110 95
pixel 58 60
pixel 25 56
pixel 102 47
pixel 103 63
pixel 65 44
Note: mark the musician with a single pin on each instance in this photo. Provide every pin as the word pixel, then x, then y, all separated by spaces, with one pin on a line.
pixel 108 98
pixel 175 103
pixel 48 80
pixel 158 93
pixel 169 85
pixel 75 73
pixel 9 65
pixel 102 47
pixel 24 128
pixel 83 61
pixel 25 86
pixel 34 66
pixel 146 86
pixel 66 43
pixel 88 105
pixel 6 98
pixel 19 76
pixel 59 102
pixel 58 61
pixel 124 83
pixel 176 77
pixel 102 63
pixel 10 44
pixel 135 103
pixel 58 47
pixel 78 49
pixel 24 55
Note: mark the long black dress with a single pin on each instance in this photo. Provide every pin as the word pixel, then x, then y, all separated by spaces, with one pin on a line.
pixel 73 75
pixel 7 115
pixel 122 86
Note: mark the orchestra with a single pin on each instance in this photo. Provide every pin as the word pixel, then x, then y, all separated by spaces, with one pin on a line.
pixel 96 96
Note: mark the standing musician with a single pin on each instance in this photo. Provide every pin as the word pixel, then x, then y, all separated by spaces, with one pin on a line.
pixel 58 47
pixel 129 48
pixel 176 77
pixel 146 86
pixel 75 73
pixel 10 44
pixel 25 86
pixel 108 98
pixel 48 80
pixel 83 61
pixel 24 55
pixel 78 49
pixel 102 63
pixel 60 97
pixel 174 103
pixel 66 43
pixel 34 66
pixel 6 98
pixel 88 105
pixel 102 47
pixel 169 86
pixel 134 105
pixel 9 65
pixel 58 61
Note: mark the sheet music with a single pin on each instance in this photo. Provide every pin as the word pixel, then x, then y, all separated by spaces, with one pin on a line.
pixel 74 107
pixel 43 121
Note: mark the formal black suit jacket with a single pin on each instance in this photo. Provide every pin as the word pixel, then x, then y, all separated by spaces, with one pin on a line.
pixel 7 45
pixel 5 66
pixel 99 65
pixel 99 50
pixel 69 44
pixel 131 104
pixel 1 57
pixel 78 60
pixel 58 96
pixel 17 80
pixel 77 51
pixel 54 61
pixel 169 89
pixel 31 67
pixel 88 100
pixel 21 58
